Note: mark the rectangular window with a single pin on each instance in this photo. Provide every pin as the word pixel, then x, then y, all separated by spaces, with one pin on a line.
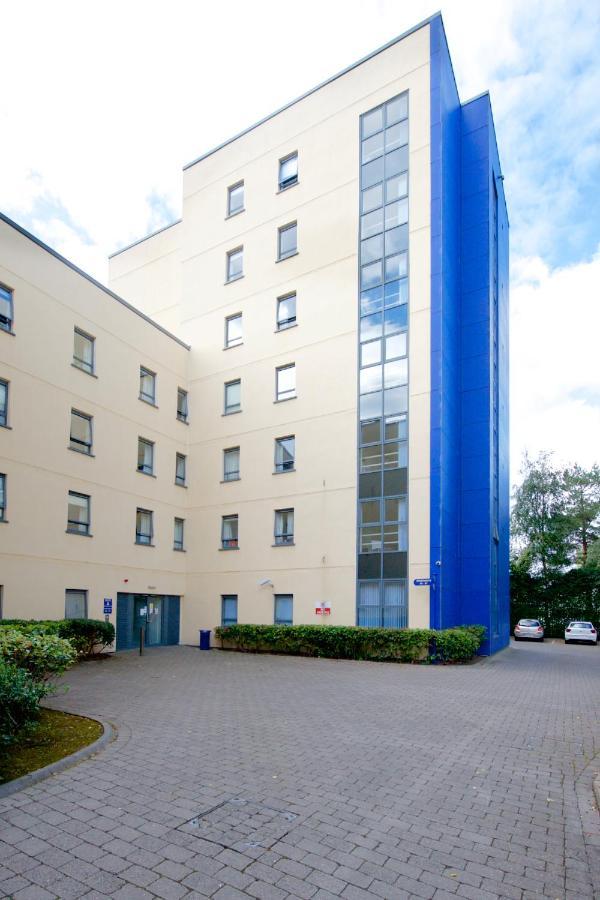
pixel 3 402
pixel 233 330
pixel 76 604
pixel 286 382
pixel 178 534
pixel 180 464
pixel 145 461
pixel 229 533
pixel 235 198
pixel 286 311
pixel 80 437
pixel 284 609
pixel 285 453
pixel 287 240
pixel 233 396
pixel 284 527
pixel 147 386
pixel 144 526
pixel 78 516
pixel 229 605
pixel 288 171
pixel 6 308
pixel 235 264
pixel 2 498
pixel 182 405
pixel 231 464
pixel 83 351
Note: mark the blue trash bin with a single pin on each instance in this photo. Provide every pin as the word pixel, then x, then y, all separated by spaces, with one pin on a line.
pixel 204 640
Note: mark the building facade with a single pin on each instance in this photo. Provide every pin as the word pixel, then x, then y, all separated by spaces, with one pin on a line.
pixel 301 412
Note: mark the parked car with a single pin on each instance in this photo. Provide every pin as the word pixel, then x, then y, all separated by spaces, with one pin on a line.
pixel 531 629
pixel 581 631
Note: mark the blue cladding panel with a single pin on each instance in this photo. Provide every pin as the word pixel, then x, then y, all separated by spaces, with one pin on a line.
pixel 464 165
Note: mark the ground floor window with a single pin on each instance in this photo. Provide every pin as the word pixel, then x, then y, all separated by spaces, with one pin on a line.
pixel 75 604
pixel 284 609
pixel 229 609
pixel 382 604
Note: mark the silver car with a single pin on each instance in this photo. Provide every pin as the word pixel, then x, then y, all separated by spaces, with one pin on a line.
pixel 531 629
pixel 581 631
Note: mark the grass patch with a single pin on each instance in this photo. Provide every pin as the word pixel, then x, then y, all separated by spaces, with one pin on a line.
pixel 54 736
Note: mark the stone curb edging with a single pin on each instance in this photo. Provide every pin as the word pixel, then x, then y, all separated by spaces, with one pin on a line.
pixel 596 788
pixel 19 784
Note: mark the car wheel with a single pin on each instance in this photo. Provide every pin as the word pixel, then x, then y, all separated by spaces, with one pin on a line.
pixel 566 641
pixel 541 640
pixel 516 638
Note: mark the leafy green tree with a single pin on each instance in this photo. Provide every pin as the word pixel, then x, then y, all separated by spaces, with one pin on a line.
pixel 582 508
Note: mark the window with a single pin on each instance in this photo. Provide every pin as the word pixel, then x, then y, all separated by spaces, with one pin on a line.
pixel 178 534
pixel 286 311
pixel 287 242
pixel 145 461
pixel 180 462
pixel 288 171
pixel 182 405
pixel 78 516
pixel 233 394
pixel 235 198
pixel 235 264
pixel 286 382
pixel 76 604
pixel 231 464
pixel 229 604
pixel 80 437
pixel 284 606
pixel 229 533
pixel 233 330
pixel 284 527
pixel 144 530
pixel 2 498
pixel 6 308
pixel 83 351
pixel 3 402
pixel 285 453
pixel 147 386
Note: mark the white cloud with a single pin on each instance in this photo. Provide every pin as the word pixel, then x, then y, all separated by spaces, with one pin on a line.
pixel 555 375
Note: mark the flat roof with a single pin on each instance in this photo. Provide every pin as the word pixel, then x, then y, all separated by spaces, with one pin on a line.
pixel 98 284
pixel 145 238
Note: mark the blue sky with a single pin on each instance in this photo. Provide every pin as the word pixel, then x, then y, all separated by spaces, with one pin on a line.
pixel 108 100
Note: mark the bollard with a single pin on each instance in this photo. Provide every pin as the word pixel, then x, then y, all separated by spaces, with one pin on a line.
pixel 141 640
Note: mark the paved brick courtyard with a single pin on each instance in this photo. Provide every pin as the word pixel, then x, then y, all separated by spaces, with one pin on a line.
pixel 236 776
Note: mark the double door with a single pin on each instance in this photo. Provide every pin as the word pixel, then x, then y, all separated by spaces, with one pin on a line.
pixel 147 614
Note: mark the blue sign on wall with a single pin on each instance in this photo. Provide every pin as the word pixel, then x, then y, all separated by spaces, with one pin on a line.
pixel 422 582
pixel 107 606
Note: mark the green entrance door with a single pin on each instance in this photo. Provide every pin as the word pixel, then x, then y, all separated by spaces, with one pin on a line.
pixel 147 614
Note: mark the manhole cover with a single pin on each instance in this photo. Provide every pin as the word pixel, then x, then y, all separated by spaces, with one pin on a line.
pixel 239 824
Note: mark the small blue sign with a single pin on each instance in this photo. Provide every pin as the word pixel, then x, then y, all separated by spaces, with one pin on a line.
pixel 422 582
pixel 107 606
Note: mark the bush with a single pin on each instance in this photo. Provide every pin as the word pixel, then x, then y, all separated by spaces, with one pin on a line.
pixel 41 655
pixel 20 696
pixel 350 642
pixel 88 636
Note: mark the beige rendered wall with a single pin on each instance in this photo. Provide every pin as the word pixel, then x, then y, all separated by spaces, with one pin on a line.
pixel 324 129
pixel 38 559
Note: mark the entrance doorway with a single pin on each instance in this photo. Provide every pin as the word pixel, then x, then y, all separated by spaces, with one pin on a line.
pixel 156 614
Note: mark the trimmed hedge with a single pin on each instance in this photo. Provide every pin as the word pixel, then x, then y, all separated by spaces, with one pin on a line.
pixel 41 655
pixel 350 642
pixel 20 696
pixel 87 636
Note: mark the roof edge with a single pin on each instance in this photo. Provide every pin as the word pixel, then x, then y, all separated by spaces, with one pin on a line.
pixel 318 87
pixel 98 284
pixel 145 238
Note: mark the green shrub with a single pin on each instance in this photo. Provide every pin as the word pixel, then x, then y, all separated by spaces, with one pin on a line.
pixel 32 626
pixel 88 636
pixel 20 696
pixel 350 642
pixel 41 655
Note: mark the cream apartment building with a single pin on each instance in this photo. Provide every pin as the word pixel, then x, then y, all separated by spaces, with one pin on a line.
pixel 332 308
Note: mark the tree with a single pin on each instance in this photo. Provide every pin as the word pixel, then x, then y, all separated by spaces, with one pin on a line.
pixel 539 524
pixel 582 508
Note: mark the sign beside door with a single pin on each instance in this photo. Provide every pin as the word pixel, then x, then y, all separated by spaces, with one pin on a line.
pixel 108 606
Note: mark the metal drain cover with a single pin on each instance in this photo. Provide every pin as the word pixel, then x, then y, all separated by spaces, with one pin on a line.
pixel 239 824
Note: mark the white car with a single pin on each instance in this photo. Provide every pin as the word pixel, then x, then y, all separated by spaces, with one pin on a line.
pixel 531 629
pixel 581 631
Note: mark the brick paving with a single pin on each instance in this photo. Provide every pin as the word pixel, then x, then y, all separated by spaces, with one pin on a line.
pixel 236 776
